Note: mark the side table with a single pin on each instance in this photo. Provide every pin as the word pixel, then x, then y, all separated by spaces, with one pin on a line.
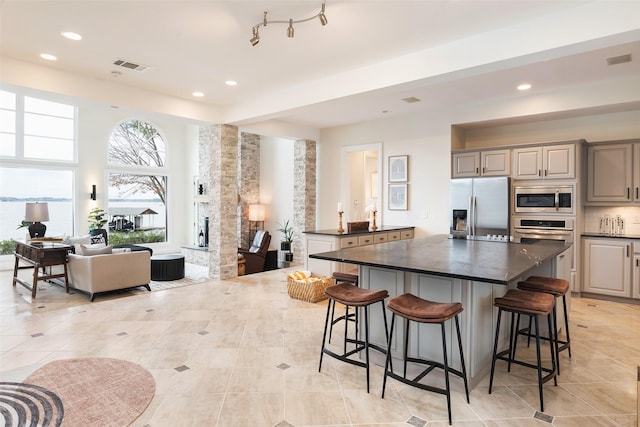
pixel 167 267
pixel 40 255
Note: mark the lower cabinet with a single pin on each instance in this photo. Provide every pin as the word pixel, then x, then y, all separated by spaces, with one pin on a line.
pixel 635 292
pixel 319 242
pixel 608 265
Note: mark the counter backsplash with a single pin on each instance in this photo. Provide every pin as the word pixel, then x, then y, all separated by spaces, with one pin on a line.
pixel 629 213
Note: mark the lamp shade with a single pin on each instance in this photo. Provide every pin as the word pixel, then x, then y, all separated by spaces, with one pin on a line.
pixel 36 212
pixel 257 212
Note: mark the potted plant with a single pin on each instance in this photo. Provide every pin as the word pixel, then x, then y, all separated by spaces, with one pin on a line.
pixel 287 239
pixel 97 219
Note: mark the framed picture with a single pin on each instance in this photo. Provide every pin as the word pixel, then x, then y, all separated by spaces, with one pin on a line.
pixel 398 168
pixel 398 197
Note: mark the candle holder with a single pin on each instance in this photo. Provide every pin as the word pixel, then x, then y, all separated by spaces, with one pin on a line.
pixel 373 223
pixel 340 229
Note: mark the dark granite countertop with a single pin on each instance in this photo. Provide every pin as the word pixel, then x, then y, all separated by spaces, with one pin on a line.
pixel 610 236
pixel 382 229
pixel 485 261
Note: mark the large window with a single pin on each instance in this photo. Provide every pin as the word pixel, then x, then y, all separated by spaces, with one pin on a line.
pixel 137 196
pixel 25 184
pixel 34 132
pixel 32 128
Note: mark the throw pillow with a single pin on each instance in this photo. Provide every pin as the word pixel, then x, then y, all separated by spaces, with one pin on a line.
pixel 79 248
pixel 98 249
pixel 97 239
pixel 120 250
pixel 79 240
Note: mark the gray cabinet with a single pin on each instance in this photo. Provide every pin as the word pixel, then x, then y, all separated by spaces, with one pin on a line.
pixel 607 266
pixel 549 162
pixel 613 173
pixel 471 164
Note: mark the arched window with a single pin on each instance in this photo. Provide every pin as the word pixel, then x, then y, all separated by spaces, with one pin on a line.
pixel 137 192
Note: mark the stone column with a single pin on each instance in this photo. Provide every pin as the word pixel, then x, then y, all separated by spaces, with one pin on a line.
pixel 304 194
pixel 248 183
pixel 219 170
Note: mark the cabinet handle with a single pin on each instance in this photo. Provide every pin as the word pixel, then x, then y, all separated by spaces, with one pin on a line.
pixel 638 263
pixel 546 172
pixel 477 170
pixel 483 169
pixel 637 192
pixel 627 251
pixel 539 172
pixel 628 192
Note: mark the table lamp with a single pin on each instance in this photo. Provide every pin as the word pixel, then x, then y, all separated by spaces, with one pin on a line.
pixel 35 213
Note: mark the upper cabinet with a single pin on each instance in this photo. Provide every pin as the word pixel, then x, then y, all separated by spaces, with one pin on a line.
pixel 613 173
pixel 471 164
pixel 548 162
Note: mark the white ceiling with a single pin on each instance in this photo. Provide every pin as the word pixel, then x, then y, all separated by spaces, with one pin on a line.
pixel 198 45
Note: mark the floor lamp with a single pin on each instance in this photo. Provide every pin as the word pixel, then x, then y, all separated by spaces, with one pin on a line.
pixel 257 214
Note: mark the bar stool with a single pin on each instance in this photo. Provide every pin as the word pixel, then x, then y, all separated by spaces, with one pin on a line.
pixel 413 308
pixel 353 296
pixel 352 279
pixel 532 304
pixel 557 288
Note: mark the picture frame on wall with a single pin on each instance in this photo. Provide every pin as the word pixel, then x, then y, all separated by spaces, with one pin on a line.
pixel 398 168
pixel 398 197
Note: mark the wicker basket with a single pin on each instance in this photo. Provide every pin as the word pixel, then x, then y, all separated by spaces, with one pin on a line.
pixel 308 291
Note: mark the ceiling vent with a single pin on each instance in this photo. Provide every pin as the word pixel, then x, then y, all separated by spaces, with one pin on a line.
pixel 411 100
pixel 129 65
pixel 619 59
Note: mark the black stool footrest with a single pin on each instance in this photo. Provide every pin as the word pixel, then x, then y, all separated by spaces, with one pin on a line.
pixel 551 372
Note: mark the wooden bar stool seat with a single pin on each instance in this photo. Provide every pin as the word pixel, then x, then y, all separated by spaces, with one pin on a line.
pixel 415 309
pixel 532 304
pixel 558 288
pixel 353 296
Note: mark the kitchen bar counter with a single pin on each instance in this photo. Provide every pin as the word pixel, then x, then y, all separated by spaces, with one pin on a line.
pixel 446 270
pixel 610 236
pixel 485 261
pixel 382 229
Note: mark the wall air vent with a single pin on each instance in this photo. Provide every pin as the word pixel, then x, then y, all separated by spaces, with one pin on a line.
pixel 619 59
pixel 411 100
pixel 130 65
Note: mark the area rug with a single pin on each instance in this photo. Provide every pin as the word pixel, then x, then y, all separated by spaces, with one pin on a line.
pixel 78 392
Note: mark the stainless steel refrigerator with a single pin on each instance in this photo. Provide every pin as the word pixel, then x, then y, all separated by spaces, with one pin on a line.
pixel 480 208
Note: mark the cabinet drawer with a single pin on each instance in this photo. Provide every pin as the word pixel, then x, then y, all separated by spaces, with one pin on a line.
pixel 395 235
pixel 383 237
pixel 348 242
pixel 365 240
pixel 406 234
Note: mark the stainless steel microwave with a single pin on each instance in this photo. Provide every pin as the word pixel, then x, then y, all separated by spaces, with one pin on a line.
pixel 536 199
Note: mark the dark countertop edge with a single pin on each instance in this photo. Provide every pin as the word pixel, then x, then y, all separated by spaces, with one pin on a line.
pixel 384 229
pixel 196 248
pixel 610 236
pixel 415 270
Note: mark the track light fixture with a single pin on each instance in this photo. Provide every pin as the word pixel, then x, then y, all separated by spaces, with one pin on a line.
pixel 255 39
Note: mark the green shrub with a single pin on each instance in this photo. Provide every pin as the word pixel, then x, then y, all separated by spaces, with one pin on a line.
pixel 135 237
pixel 7 247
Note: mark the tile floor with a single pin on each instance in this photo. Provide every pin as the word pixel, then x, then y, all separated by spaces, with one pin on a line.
pixel 242 353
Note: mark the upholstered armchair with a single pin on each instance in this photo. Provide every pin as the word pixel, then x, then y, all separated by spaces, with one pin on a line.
pixel 256 255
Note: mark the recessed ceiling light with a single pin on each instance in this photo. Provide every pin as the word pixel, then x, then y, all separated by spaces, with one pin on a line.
pixel 48 56
pixel 71 35
pixel 198 94
pixel 524 86
pixel 231 83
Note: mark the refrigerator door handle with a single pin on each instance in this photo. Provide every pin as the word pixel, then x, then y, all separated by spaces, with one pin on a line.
pixel 473 207
pixel 470 217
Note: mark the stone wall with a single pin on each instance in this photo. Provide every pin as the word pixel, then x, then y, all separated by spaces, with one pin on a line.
pixel 219 169
pixel 248 183
pixel 304 194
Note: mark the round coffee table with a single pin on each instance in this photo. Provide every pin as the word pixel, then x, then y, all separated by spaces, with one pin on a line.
pixel 167 267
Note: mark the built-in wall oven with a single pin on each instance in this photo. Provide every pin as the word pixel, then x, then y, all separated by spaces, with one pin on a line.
pixel 530 229
pixel 554 199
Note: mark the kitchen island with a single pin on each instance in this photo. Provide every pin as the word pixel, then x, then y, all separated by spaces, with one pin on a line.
pixel 441 269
